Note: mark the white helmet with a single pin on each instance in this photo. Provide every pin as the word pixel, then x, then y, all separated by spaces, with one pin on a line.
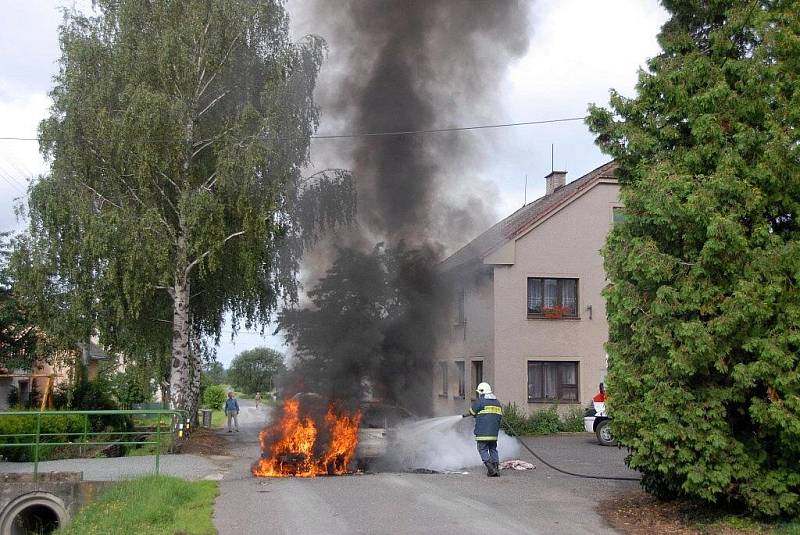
pixel 484 388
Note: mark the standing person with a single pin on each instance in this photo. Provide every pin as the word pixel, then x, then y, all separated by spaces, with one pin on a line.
pixel 488 414
pixel 232 411
pixel 258 399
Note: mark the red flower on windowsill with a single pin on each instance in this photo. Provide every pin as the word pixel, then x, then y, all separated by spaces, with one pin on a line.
pixel 556 311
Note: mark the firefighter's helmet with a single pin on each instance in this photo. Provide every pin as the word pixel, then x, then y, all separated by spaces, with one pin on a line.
pixel 484 388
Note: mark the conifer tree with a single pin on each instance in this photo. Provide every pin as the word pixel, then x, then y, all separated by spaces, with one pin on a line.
pixel 704 293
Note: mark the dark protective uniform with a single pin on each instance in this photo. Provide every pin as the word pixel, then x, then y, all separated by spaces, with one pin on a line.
pixel 488 413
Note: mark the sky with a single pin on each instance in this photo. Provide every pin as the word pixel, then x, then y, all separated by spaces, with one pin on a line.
pixel 579 49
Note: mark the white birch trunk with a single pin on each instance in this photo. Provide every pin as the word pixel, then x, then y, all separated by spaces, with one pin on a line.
pixel 194 380
pixel 180 386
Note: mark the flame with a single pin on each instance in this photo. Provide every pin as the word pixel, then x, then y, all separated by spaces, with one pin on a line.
pixel 292 444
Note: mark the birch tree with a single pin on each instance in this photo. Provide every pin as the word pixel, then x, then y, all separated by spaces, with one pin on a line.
pixel 176 141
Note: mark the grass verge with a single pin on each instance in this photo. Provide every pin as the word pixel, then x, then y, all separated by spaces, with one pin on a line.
pixel 217 418
pixel 152 505
pixel 150 449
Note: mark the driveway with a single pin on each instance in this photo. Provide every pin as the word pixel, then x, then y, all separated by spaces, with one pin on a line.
pixel 538 501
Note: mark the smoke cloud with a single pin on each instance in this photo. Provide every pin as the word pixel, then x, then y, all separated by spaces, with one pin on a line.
pixel 398 65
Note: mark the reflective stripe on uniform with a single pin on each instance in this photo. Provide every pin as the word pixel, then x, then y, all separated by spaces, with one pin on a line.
pixel 472 412
pixel 483 438
pixel 492 409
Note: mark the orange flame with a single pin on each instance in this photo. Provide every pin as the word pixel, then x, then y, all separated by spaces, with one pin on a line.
pixel 292 444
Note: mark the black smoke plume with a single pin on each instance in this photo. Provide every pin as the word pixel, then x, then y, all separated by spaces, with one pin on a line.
pixel 398 65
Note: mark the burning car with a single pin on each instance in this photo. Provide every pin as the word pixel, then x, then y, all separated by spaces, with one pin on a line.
pixel 308 440
pixel 304 443
pixel 378 430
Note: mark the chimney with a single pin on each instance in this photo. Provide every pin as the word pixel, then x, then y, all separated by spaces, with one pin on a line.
pixel 555 180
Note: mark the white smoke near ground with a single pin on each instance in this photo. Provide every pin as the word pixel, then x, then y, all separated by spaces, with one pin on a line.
pixel 442 444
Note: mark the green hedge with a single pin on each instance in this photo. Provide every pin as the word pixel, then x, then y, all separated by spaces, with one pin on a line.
pixel 543 422
pixel 59 424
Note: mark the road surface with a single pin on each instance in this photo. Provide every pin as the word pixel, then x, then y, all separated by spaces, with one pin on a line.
pixel 538 501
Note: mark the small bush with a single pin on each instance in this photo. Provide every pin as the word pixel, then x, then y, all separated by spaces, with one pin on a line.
pixel 514 421
pixel 96 395
pixel 13 396
pixel 214 396
pixel 543 422
pixel 572 422
pixel 130 388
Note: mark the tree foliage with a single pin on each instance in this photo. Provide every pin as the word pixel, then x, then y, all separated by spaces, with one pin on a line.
pixel 19 338
pixel 703 301
pixel 254 370
pixel 176 141
pixel 215 373
pixel 371 327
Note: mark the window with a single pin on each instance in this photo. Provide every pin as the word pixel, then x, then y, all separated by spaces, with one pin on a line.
pixel 460 297
pixel 462 379
pixel 552 381
pixel 617 215
pixel 477 374
pixel 552 298
pixel 443 371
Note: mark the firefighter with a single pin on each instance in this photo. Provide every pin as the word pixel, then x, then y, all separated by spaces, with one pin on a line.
pixel 488 413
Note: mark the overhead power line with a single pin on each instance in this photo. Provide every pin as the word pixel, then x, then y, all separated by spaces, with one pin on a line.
pixel 373 134
pixel 452 129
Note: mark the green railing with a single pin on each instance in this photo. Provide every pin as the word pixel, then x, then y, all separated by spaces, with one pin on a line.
pixel 168 422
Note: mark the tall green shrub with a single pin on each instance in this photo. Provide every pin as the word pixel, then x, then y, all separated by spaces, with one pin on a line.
pixel 214 396
pixel 704 298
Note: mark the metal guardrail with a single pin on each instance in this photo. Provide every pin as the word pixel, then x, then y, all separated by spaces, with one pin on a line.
pixel 168 421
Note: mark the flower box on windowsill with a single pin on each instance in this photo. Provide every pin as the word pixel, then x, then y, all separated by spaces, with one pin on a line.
pixel 555 312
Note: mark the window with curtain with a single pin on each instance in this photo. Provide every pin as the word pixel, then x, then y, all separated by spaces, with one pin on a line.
pixel 477 375
pixel 462 379
pixel 552 381
pixel 552 298
pixel 460 314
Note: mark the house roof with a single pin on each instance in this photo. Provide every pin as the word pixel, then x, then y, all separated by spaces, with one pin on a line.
pixel 520 221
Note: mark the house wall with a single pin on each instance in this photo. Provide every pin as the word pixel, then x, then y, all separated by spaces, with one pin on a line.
pixel 469 342
pixel 565 245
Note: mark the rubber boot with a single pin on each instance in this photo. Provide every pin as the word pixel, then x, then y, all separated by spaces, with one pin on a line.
pixel 490 470
pixel 496 466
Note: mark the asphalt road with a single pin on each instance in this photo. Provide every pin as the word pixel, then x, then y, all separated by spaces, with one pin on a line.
pixel 538 501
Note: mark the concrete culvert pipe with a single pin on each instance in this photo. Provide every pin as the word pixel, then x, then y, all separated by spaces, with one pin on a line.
pixel 34 512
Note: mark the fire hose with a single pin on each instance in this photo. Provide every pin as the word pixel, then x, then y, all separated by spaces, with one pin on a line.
pixel 511 431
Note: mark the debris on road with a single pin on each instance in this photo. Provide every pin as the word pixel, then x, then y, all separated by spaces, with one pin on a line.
pixel 516 464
